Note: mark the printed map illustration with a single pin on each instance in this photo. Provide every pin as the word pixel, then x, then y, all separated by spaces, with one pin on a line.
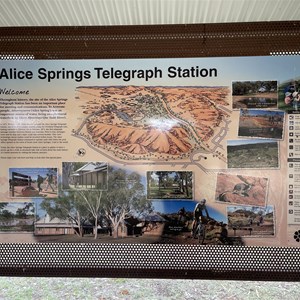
pixel 153 123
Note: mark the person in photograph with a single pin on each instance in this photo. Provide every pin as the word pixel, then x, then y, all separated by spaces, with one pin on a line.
pixel 288 100
pixel 198 212
pixel 296 99
pixel 39 181
pixel 181 215
pixel 49 180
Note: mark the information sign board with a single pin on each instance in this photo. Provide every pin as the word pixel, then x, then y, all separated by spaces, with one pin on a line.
pixel 143 151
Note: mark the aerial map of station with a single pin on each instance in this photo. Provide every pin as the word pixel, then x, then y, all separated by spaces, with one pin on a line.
pixel 153 123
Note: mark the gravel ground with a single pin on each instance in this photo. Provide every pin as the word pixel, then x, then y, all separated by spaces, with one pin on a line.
pixel 119 288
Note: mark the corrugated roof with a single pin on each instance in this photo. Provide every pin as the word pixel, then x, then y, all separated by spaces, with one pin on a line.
pixel 54 222
pixel 143 12
pixel 91 167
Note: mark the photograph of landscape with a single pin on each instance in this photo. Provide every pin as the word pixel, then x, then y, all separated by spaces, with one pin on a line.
pixel 169 185
pixel 251 221
pixel 162 222
pixel 252 154
pixel 254 94
pixel 17 216
pixel 176 218
pixel 261 123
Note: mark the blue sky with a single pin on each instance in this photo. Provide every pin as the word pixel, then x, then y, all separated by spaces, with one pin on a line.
pixel 33 172
pixel 14 206
pixel 256 112
pixel 173 206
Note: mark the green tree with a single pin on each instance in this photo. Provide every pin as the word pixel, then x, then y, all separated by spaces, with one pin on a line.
pixel 163 178
pixel 91 201
pixel 20 214
pixel 125 197
pixel 2 205
pixel 28 209
pixel 67 207
pixel 6 216
pixel 67 169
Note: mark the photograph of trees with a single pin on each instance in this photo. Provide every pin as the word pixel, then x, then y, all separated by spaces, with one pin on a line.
pixel 169 185
pixel 16 217
pixel 92 212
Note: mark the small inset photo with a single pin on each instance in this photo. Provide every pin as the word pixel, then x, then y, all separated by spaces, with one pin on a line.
pixel 241 189
pixel 261 123
pixel 254 94
pixel 17 217
pixel 84 175
pixel 251 221
pixel 289 96
pixel 253 154
pixel 170 185
pixel 188 222
pixel 33 182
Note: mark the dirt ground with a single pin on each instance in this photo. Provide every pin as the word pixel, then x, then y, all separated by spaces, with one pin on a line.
pixel 264 95
pixel 30 238
pixel 144 239
pixel 183 238
pixel 263 230
pixel 44 193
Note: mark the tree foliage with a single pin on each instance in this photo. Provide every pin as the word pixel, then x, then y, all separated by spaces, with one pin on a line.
pixel 248 87
pixel 91 201
pixel 67 207
pixel 67 169
pixel 125 197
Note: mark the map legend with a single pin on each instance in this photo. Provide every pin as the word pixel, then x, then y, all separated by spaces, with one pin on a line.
pixel 293 168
